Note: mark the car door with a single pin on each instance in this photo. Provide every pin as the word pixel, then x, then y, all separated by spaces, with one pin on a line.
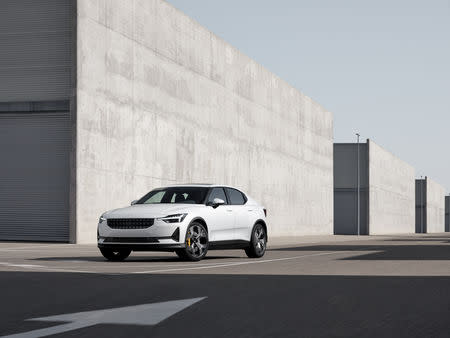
pixel 241 214
pixel 221 218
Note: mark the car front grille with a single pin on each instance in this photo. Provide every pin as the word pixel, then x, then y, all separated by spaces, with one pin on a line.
pixel 130 223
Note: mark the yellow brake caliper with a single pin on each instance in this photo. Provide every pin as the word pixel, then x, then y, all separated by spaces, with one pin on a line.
pixel 189 242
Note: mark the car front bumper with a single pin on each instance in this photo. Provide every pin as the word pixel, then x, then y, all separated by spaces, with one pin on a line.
pixel 141 246
pixel 158 237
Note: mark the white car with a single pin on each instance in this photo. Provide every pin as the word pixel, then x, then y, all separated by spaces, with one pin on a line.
pixel 187 219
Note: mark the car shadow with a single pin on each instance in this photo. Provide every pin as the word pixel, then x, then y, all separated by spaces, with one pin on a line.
pixel 440 250
pixel 428 239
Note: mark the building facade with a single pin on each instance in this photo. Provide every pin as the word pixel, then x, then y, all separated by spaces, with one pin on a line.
pixel 386 189
pixel 103 101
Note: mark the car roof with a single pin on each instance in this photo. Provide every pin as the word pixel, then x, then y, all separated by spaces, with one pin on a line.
pixel 209 185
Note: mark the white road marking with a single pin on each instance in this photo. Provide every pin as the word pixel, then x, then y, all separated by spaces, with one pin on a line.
pixel 31 247
pixel 41 267
pixel 172 265
pixel 145 314
pixel 22 265
pixel 165 268
pixel 121 264
pixel 184 267
pixel 240 263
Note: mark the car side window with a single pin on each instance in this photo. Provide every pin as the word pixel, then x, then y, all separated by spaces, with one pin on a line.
pixel 236 197
pixel 179 198
pixel 217 193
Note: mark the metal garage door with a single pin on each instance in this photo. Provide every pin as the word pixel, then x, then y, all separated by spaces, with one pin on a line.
pixel 345 212
pixel 35 50
pixel 34 176
pixel 447 213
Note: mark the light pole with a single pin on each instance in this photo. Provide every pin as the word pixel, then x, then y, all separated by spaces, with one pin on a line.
pixel 421 204
pixel 358 187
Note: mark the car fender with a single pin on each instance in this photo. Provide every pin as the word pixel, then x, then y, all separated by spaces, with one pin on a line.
pixel 263 222
pixel 201 220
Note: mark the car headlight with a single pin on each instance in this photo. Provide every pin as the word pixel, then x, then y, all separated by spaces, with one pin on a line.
pixel 177 218
pixel 102 219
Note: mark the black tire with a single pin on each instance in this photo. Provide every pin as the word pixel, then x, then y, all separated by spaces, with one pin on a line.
pixel 258 242
pixel 115 255
pixel 196 241
pixel 181 254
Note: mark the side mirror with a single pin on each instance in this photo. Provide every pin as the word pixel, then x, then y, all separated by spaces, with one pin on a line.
pixel 216 202
pixel 134 202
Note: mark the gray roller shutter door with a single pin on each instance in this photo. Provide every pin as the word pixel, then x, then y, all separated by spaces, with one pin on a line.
pixel 35 50
pixel 34 176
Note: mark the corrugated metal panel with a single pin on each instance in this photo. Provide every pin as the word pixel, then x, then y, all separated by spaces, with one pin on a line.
pixel 34 176
pixel 35 50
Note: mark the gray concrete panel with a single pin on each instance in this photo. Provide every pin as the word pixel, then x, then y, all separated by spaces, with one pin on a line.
pixel 447 213
pixel 346 166
pixel 161 100
pixel 345 188
pixel 345 212
pixel 421 206
pixel 391 193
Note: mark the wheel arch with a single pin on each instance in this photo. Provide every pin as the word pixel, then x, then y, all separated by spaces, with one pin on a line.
pixel 263 223
pixel 201 221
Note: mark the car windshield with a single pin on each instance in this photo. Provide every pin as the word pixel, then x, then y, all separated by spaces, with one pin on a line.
pixel 182 195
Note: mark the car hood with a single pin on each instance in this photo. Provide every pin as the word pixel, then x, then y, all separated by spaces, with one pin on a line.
pixel 151 210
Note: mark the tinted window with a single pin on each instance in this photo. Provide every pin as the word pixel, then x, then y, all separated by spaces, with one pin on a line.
pixel 186 195
pixel 156 198
pixel 217 193
pixel 236 197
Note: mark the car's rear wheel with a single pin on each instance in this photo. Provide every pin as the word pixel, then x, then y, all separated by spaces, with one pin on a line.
pixel 258 242
pixel 196 243
pixel 115 255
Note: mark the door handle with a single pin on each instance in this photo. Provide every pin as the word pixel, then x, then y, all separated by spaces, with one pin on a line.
pixel 250 209
pixel 229 210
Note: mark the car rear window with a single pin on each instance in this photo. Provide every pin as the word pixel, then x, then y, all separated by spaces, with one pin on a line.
pixel 236 197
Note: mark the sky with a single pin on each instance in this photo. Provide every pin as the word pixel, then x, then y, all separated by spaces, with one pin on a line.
pixel 381 66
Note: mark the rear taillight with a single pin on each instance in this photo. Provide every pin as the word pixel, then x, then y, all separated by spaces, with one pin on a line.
pixel 265 212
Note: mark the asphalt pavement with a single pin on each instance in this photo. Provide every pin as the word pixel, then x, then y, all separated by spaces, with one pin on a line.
pixel 382 286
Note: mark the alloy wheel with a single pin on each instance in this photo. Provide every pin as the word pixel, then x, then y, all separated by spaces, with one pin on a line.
pixel 196 240
pixel 260 239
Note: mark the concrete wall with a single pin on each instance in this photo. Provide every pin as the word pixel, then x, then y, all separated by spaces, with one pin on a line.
pixel 435 207
pixel 391 193
pixel 161 100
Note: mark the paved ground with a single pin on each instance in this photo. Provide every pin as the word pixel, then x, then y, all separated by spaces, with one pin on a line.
pixel 318 287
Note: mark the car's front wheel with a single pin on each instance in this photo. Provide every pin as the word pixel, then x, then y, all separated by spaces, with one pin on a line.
pixel 258 242
pixel 115 255
pixel 196 243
